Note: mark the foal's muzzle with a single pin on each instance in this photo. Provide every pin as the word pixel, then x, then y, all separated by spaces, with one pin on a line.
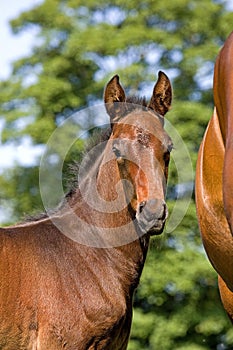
pixel 151 216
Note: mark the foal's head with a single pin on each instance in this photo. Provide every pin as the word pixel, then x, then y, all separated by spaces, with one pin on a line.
pixel 141 148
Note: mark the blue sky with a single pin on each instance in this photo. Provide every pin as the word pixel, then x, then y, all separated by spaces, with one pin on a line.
pixel 12 48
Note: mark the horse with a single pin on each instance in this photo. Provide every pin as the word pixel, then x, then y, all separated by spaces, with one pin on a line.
pixel 214 183
pixel 59 291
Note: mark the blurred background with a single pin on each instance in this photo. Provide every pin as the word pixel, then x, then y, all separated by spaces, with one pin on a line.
pixel 56 57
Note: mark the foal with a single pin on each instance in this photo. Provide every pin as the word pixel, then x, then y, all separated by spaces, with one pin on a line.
pixel 67 280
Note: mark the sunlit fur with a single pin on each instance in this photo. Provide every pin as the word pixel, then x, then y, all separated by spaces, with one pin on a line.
pixel 214 181
pixel 56 293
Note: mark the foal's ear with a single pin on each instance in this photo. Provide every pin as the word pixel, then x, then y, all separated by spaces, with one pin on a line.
pixel 114 93
pixel 162 95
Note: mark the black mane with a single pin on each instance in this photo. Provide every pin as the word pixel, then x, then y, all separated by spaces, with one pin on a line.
pixel 137 100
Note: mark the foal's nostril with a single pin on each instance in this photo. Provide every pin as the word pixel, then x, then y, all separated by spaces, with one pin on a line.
pixel 155 208
pixel 141 206
pixel 151 216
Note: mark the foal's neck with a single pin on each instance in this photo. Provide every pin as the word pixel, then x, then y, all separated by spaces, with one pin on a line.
pixel 100 203
pixel 130 260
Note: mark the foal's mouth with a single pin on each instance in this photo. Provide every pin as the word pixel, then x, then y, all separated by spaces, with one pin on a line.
pixel 151 216
pixel 158 228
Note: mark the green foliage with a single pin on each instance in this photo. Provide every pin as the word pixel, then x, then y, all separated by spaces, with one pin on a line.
pixel 13 186
pixel 177 305
pixel 76 40
pixel 79 46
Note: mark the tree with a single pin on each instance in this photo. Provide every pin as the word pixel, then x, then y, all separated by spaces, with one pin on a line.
pixel 80 45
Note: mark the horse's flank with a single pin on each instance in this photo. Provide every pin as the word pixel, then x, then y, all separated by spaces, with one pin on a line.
pixel 214 185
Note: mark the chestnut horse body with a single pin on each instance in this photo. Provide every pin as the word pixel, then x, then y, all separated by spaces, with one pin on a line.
pixel 214 180
pixel 56 293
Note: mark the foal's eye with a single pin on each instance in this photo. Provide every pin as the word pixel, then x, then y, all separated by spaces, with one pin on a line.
pixel 119 158
pixel 170 147
pixel 116 152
